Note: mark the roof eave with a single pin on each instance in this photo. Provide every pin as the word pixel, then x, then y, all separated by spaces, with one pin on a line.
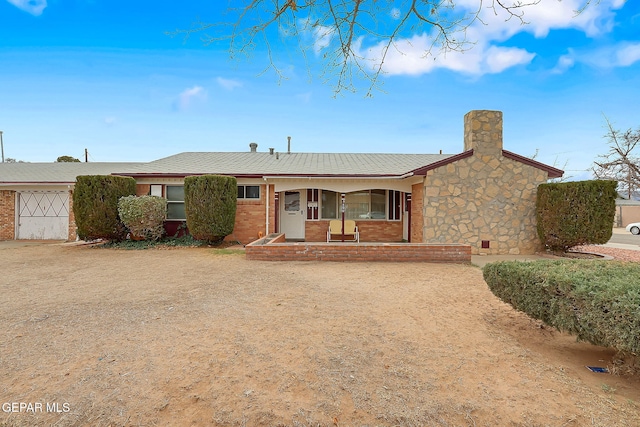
pixel 551 171
pixel 269 176
pixel 422 171
pixel 10 183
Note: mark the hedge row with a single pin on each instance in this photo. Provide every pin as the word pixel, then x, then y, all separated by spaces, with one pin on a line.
pixel 597 301
pixel 575 213
pixel 95 205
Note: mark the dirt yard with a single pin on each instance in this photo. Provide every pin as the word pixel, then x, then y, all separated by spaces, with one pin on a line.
pixel 194 337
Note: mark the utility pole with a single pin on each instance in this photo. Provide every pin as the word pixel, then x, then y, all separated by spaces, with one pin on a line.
pixel 86 156
pixel 2 146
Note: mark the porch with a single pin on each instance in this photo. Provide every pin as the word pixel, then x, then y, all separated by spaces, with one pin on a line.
pixel 275 248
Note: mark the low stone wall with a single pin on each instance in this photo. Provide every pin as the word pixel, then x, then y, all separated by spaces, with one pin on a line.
pixel 390 252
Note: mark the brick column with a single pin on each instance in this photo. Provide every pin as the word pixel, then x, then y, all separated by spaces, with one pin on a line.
pixel 72 219
pixel 7 214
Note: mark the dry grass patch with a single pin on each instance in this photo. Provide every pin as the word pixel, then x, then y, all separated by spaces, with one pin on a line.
pixel 195 337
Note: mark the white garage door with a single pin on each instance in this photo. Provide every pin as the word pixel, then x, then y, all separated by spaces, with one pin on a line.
pixel 43 215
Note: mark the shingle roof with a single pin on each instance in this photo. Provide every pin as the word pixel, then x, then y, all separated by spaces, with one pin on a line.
pixel 294 164
pixel 56 173
pixel 255 164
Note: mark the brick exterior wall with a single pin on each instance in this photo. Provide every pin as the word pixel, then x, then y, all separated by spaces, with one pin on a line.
pixel 370 231
pixel 143 189
pixel 251 217
pixel 7 215
pixel 72 219
pixel 416 213
pixel 363 252
pixel 483 197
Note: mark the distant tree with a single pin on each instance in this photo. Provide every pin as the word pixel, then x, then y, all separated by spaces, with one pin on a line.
pixel 67 159
pixel 12 160
pixel 621 163
pixel 336 30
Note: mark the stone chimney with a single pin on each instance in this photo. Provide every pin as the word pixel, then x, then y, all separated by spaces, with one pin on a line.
pixel 253 146
pixel 483 132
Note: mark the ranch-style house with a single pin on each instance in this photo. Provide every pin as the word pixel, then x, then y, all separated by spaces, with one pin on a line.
pixel 483 197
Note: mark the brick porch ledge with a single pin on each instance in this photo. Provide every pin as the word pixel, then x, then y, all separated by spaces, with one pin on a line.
pixel 273 248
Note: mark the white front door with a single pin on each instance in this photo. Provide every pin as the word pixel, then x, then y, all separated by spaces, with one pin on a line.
pixel 293 214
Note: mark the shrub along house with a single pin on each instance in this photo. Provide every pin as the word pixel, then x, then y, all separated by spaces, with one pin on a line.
pixel 483 197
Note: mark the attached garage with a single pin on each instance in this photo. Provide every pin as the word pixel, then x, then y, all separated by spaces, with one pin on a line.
pixel 35 197
pixel 43 215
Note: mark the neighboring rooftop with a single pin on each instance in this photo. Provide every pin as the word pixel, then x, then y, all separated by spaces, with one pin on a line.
pixel 56 173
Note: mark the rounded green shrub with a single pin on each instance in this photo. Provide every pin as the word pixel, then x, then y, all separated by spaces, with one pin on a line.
pixel 210 205
pixel 143 216
pixel 95 205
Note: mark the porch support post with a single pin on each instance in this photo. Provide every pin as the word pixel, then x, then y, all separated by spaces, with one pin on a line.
pixel 342 209
pixel 266 198
pixel 408 200
pixel 276 211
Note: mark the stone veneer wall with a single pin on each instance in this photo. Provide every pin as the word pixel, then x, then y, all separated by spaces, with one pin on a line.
pixel 417 191
pixel 7 215
pixel 485 196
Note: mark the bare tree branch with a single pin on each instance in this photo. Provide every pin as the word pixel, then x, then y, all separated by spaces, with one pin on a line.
pixel 340 30
pixel 620 162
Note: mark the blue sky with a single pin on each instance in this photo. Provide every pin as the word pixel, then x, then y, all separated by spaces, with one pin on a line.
pixel 103 75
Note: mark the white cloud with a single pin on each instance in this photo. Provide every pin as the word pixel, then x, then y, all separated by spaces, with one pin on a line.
pixel 628 55
pixel 228 84
pixel 564 63
pixel 190 97
pixel 596 19
pixel 322 37
pixel 498 59
pixel 410 55
pixel 618 55
pixel 34 7
pixel 110 121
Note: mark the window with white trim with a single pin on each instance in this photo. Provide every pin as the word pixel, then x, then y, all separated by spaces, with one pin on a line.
pixel 394 204
pixel 155 190
pixel 365 204
pixel 248 192
pixel 175 202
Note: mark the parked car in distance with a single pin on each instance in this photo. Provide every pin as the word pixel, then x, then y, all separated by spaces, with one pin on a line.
pixel 634 228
